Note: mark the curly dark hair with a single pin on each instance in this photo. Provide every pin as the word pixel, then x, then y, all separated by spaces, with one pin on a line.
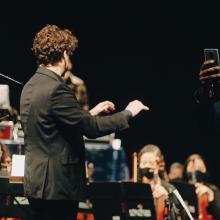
pixel 50 43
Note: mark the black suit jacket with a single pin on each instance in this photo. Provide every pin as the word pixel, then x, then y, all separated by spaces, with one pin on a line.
pixel 207 114
pixel 54 125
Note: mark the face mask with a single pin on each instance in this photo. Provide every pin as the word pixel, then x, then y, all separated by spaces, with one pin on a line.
pixel 198 175
pixel 177 179
pixel 147 173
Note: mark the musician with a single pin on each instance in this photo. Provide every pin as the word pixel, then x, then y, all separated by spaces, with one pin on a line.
pixel 5 160
pixel 79 88
pixel 90 171
pixel 54 124
pixel 207 98
pixel 196 173
pixel 176 172
pixel 151 171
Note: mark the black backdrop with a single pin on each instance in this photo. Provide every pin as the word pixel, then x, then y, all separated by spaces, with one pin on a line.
pixel 127 50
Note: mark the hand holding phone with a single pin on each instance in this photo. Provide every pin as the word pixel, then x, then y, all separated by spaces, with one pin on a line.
pixel 210 69
pixel 212 54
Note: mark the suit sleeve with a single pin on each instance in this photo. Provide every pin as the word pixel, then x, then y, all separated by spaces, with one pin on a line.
pixel 66 110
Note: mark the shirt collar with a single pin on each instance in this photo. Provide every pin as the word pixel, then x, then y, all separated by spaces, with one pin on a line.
pixel 50 73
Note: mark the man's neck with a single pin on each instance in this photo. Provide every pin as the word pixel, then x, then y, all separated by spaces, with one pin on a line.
pixel 56 69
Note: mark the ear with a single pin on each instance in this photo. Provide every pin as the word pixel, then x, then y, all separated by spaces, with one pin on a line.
pixel 65 54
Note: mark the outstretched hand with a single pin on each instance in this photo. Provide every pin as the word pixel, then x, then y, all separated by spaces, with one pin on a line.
pixel 135 107
pixel 105 106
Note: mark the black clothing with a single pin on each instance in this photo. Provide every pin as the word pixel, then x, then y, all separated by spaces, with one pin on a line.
pixel 207 115
pixel 207 109
pixel 214 206
pixel 54 125
pixel 54 209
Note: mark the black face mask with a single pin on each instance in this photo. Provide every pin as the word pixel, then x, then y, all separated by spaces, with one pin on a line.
pixel 199 176
pixel 177 179
pixel 147 173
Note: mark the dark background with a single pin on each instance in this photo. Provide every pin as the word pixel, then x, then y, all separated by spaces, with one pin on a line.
pixel 149 51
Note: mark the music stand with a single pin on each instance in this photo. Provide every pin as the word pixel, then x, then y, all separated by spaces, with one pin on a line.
pixel 122 200
pixel 105 198
pixel 9 205
pixel 188 194
pixel 4 185
pixel 19 205
pixel 138 201
pixel 13 204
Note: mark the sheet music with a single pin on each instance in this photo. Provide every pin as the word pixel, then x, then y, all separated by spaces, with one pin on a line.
pixel 17 165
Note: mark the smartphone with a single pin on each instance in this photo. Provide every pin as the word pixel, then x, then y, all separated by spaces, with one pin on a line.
pixel 212 54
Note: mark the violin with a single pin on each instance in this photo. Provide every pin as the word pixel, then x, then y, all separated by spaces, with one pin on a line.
pixel 160 208
pixel 203 203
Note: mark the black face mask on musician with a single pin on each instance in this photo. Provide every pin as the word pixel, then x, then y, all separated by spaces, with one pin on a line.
pixel 198 175
pixel 147 173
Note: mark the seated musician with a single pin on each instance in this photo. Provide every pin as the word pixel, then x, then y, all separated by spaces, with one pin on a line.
pixel 79 88
pixel 176 172
pixel 196 173
pixel 5 160
pixel 151 169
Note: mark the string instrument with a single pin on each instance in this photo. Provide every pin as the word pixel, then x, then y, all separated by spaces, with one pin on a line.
pixel 85 216
pixel 203 202
pixel 160 203
pixel 160 208
pixel 203 205
pixel 134 175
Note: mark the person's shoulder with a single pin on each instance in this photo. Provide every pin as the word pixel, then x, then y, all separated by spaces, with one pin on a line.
pixel 60 89
pixel 62 86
